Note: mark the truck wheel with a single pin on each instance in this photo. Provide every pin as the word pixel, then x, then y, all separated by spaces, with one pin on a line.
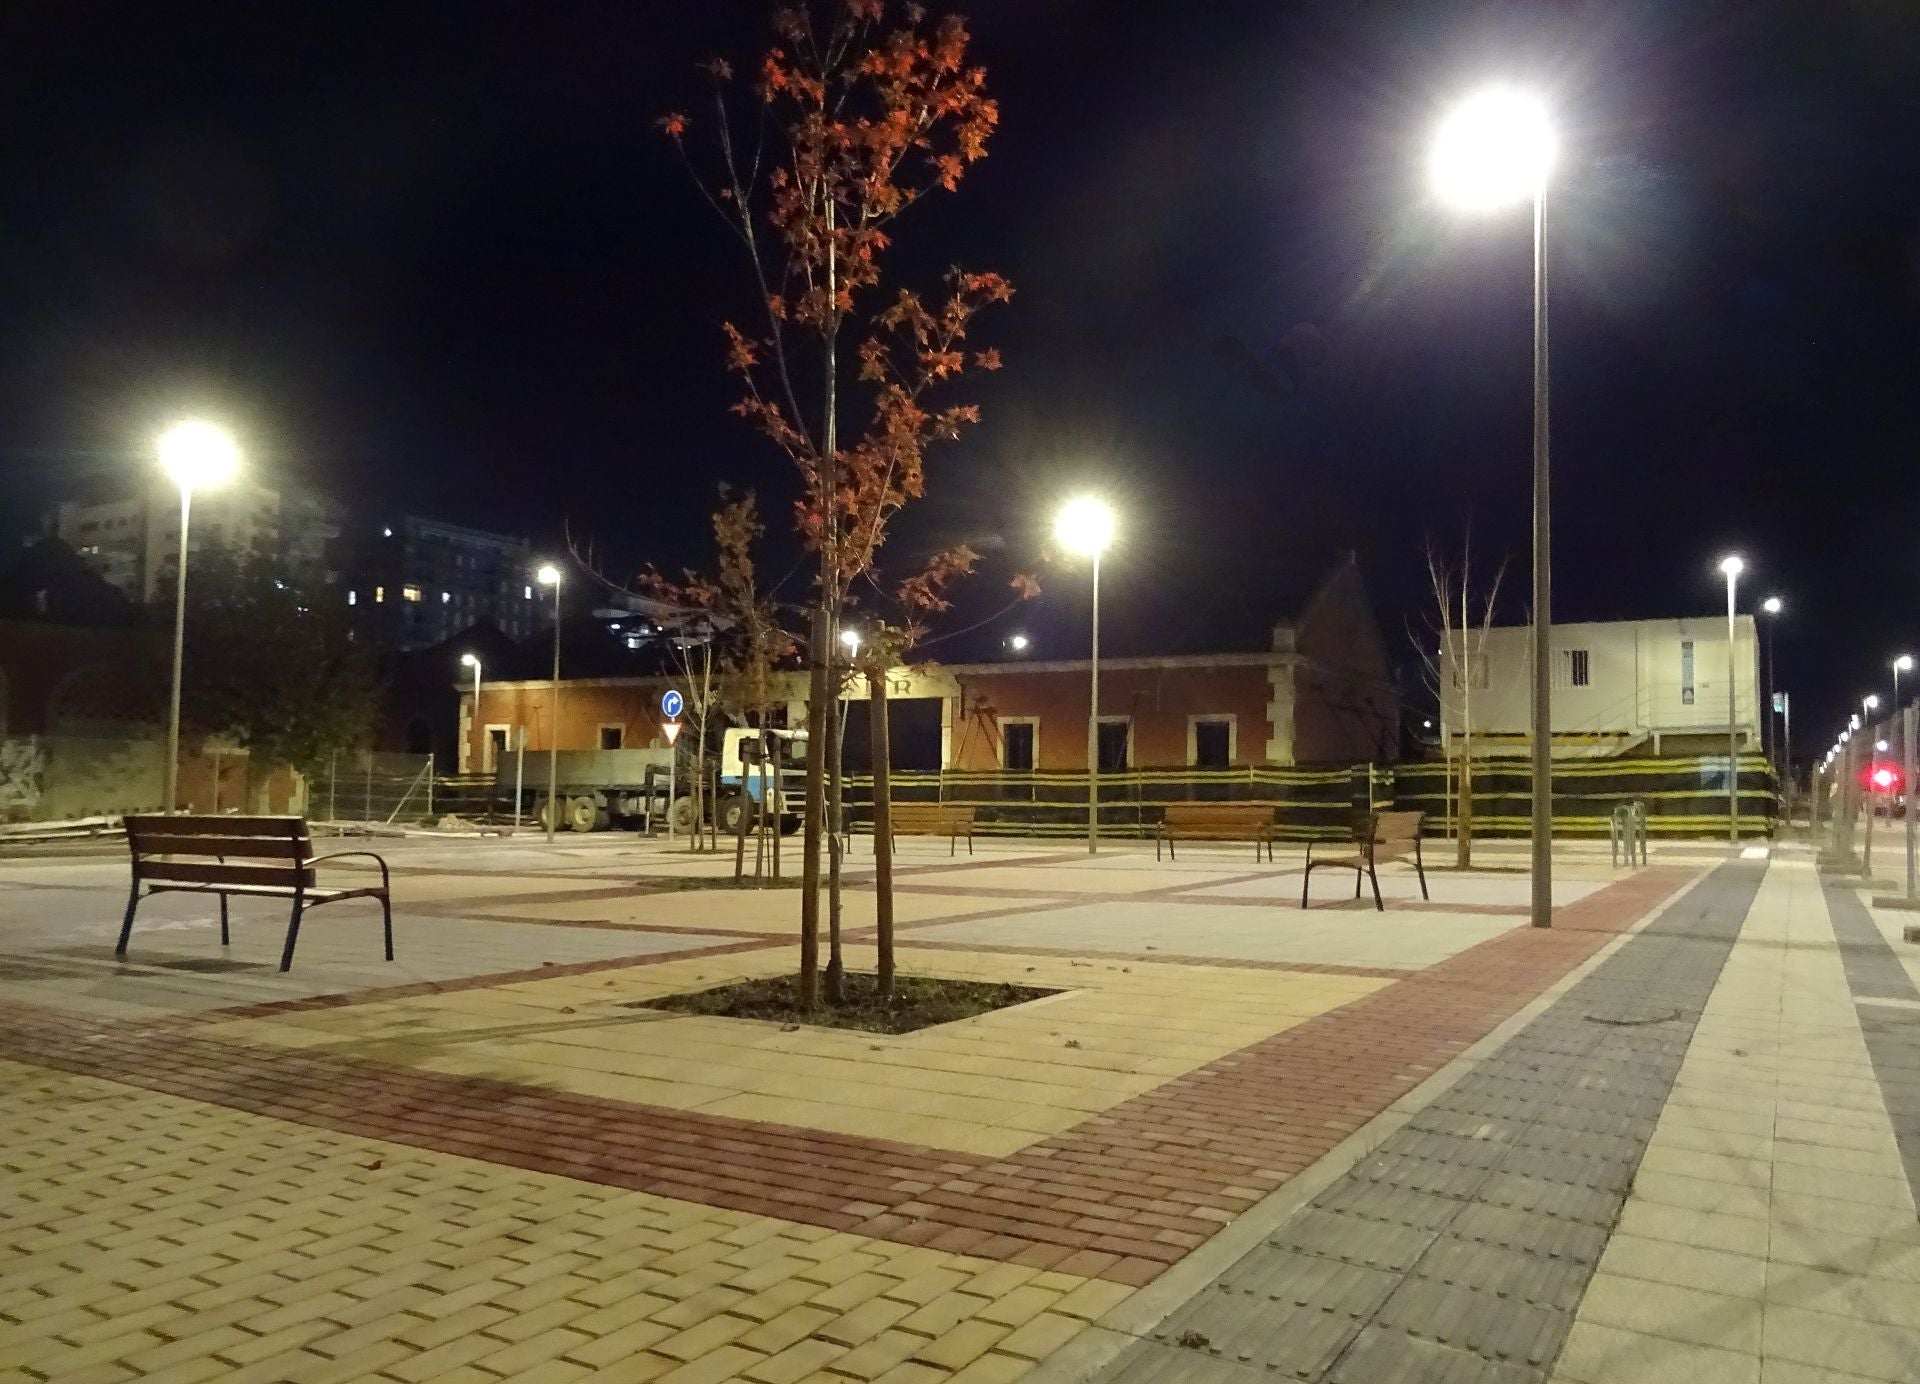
pixel 681 815
pixel 580 814
pixel 543 813
pixel 736 814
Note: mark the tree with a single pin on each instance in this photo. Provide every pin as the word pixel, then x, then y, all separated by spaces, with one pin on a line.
pixel 1453 667
pixel 272 664
pixel 855 117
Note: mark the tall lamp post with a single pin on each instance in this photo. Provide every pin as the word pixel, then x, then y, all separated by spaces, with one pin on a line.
pixel 1495 150
pixel 1868 705
pixel 1085 527
pixel 1732 566
pixel 1906 722
pixel 549 575
pixel 475 762
pixel 195 455
pixel 1771 608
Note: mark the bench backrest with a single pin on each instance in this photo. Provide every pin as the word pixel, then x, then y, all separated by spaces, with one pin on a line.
pixel 906 815
pixel 1394 833
pixel 1208 814
pixel 221 850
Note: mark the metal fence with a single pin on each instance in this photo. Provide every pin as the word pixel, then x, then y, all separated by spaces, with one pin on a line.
pixel 366 786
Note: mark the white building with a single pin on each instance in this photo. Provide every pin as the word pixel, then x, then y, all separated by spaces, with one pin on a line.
pixel 133 542
pixel 1658 686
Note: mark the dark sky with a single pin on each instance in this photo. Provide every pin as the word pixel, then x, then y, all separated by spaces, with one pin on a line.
pixel 433 255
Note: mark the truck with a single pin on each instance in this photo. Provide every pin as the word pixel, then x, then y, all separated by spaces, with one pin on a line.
pixel 629 789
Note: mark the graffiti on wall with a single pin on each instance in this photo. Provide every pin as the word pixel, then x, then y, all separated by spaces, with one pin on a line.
pixel 23 772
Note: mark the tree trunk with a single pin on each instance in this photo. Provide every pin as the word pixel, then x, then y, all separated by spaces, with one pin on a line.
pixel 740 834
pixel 882 830
pixel 1463 856
pixel 836 837
pixel 817 713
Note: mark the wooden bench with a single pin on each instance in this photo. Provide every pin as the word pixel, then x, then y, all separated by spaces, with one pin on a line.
pixel 1383 836
pixel 1215 822
pixel 270 857
pixel 934 819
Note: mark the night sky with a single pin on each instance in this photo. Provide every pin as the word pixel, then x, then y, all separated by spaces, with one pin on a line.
pixel 435 256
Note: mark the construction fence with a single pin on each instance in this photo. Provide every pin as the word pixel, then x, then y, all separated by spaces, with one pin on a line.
pixel 1685 796
pixel 365 786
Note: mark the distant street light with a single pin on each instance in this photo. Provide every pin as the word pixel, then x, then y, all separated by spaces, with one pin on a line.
pixel 1084 527
pixel 1018 643
pixel 1909 761
pixel 1732 566
pixel 851 638
pixel 1782 764
pixel 549 575
pixel 196 455
pixel 1495 149
pixel 473 729
pixel 1868 705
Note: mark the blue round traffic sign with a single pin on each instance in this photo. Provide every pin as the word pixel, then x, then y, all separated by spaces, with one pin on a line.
pixel 672 704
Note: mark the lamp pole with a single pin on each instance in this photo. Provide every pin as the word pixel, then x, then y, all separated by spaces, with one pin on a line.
pixel 193 454
pixel 549 575
pixel 1085 526
pixel 1868 704
pixel 1732 566
pixel 1496 149
pixel 476 761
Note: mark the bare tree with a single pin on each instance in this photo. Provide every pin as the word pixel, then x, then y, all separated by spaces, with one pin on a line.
pixel 1453 652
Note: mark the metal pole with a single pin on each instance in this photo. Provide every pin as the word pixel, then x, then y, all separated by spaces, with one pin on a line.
pixel 1767 737
pixel 476 739
pixel 1733 730
pixel 333 787
pixel 1541 910
pixel 553 746
pixel 1909 722
pixel 1865 777
pixel 172 776
pixel 1786 749
pixel 1093 724
pixel 429 787
pixel 673 763
pixel 519 769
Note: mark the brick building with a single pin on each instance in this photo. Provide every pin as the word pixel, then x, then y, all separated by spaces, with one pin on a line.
pixel 1315 687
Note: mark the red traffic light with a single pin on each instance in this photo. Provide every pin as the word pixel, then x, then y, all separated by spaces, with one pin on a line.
pixel 1883 778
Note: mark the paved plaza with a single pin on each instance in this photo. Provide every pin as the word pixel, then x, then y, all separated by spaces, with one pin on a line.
pixel 1675 1137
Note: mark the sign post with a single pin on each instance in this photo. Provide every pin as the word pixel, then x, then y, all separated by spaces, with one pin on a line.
pixel 671 705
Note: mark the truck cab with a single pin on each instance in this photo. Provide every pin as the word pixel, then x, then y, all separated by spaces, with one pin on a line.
pixel 756 765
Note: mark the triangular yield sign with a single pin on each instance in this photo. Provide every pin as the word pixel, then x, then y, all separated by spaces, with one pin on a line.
pixel 672 731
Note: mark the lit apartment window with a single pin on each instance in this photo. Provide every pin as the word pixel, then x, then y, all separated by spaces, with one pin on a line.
pixel 529 593
pixel 446 597
pixel 353 598
pixel 411 593
pixel 379 594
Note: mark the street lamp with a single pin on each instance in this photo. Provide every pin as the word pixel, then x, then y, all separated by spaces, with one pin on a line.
pixel 195 455
pixel 1495 149
pixel 1864 723
pixel 1018 643
pixel 549 575
pixel 1733 566
pixel 1908 725
pixel 473 751
pixel 1783 765
pixel 1085 527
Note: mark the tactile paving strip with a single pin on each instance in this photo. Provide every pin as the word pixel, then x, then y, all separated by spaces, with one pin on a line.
pixel 1457 1252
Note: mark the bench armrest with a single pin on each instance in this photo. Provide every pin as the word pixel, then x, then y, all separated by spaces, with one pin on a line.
pixel 344 855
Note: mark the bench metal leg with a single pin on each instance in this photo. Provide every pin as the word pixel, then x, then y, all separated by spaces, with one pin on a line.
pixel 1356 881
pixel 1420 869
pixel 293 935
pixel 1306 876
pixel 386 921
pixel 969 843
pixel 126 923
pixel 953 845
pixel 223 920
pixel 1374 879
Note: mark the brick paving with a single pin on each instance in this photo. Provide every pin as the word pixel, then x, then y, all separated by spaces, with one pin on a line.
pixel 190 1201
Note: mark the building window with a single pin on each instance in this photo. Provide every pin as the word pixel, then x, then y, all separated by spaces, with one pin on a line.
pixel 1116 744
pixel 411 593
pixel 611 736
pixel 353 598
pixel 379 595
pixel 1019 743
pixel 445 597
pixel 529 593
pixel 1477 671
pixel 1686 672
pixel 1210 741
pixel 1572 669
pixel 496 747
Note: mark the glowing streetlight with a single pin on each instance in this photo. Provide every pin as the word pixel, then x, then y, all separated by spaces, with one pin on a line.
pixel 1018 643
pixel 1732 566
pixel 549 575
pixel 1085 527
pixel 1496 149
pixel 851 638
pixel 1908 726
pixel 195 455
pixel 1783 762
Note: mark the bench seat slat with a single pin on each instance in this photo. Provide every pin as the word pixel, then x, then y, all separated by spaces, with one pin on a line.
pixel 157 824
pixel 280 876
pixel 270 891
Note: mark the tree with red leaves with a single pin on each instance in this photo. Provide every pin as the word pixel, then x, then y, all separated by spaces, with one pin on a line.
pixel 859 111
